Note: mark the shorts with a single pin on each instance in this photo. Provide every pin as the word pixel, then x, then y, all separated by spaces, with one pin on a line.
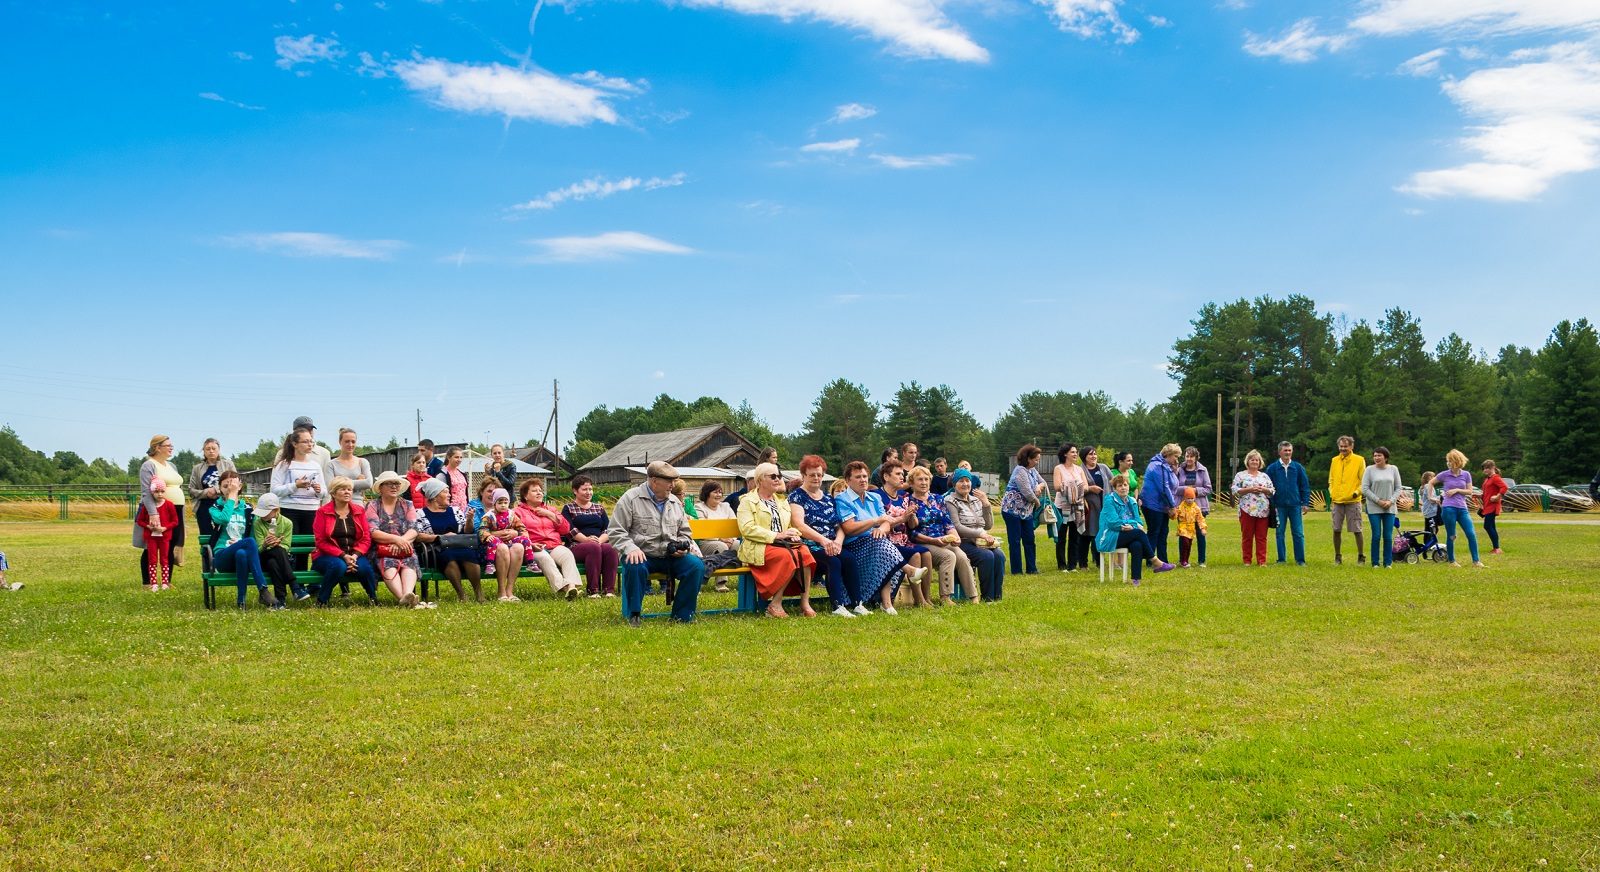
pixel 1348 514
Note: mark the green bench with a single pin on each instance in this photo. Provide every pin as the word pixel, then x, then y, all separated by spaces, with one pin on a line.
pixel 215 578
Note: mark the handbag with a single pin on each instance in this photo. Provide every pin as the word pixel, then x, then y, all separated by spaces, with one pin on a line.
pixel 392 551
pixel 458 540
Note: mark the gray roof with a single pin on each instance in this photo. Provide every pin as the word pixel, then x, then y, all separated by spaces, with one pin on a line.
pixel 691 471
pixel 645 447
pixel 476 464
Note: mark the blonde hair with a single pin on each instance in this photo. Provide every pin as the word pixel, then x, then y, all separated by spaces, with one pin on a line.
pixel 837 487
pixel 155 444
pixel 1456 459
pixel 763 470
pixel 918 472
pixel 1120 479
pixel 1171 449
pixel 340 481
pixel 1257 455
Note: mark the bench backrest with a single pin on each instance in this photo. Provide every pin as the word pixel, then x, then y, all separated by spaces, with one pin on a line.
pixel 714 528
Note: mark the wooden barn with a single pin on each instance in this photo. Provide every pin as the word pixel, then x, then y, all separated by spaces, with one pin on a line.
pixel 714 446
pixel 539 455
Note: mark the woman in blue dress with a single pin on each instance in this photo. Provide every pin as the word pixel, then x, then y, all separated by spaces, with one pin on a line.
pixel 866 525
pixel 813 513
pixel 439 518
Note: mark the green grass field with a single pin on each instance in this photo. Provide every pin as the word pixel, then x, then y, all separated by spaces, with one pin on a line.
pixel 1231 718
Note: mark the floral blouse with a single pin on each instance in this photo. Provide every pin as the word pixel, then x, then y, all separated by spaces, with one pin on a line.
pixel 819 514
pixel 1254 505
pixel 896 507
pixel 932 519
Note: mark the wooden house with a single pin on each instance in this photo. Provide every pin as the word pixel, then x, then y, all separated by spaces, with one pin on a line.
pixel 714 446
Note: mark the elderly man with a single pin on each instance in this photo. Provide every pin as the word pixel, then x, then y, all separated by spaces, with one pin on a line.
pixel 1291 496
pixel 650 529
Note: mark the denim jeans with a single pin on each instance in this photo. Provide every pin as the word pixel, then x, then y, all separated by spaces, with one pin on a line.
pixel 689 570
pixel 1452 517
pixel 1019 533
pixel 244 561
pixel 1293 516
pixel 1139 549
pixel 1383 525
pixel 989 565
pixel 333 570
pixel 1156 525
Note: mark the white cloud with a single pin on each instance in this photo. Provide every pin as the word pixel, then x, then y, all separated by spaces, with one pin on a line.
pixel 1300 44
pixel 598 188
pixel 500 90
pixel 371 67
pixel 852 112
pixel 913 27
pixel 218 98
pixel 307 49
pixel 900 162
pixel 301 244
pixel 611 83
pixel 241 55
pixel 1091 18
pixel 659 374
pixel 1541 121
pixel 838 146
pixel 1395 17
pixel 1425 65
pixel 604 246
pixel 1159 21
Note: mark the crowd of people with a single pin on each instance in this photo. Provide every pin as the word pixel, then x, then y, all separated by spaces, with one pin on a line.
pixel 874 531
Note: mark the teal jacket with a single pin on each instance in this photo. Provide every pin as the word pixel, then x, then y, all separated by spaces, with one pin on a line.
pixel 1117 511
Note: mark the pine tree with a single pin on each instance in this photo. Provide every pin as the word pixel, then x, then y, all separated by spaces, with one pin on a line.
pixel 841 425
pixel 1462 405
pixel 1560 426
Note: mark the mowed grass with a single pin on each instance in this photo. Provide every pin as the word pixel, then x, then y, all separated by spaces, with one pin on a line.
pixel 1230 718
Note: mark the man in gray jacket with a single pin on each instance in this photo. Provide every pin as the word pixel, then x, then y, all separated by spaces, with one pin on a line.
pixel 650 529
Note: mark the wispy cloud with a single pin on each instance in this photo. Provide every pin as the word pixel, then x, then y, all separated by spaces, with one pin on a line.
pixel 1300 44
pixel 838 146
pixel 308 49
pixel 1425 65
pixel 918 162
pixel 852 112
pixel 918 28
pixel 611 83
pixel 496 89
pixel 1476 17
pixel 1091 19
pixel 604 246
pixel 241 55
pixel 304 244
pixel 598 188
pixel 218 98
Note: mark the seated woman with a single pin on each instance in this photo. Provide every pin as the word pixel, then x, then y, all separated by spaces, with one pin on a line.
pixel 1122 526
pixel 232 547
pixel 896 503
pixel 879 565
pixel 393 524
pixel 935 532
pixel 972 516
pixel 415 476
pixel 589 544
pixel 770 545
pixel 811 510
pixel 274 534
pixel 438 519
pixel 713 507
pixel 484 500
pixel 545 528
pixel 505 543
pixel 343 540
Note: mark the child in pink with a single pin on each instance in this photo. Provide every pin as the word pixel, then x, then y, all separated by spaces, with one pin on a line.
pixel 158 535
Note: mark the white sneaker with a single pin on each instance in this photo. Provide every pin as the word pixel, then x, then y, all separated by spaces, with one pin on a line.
pixel 889 610
pixel 15 585
pixel 842 612
pixel 861 610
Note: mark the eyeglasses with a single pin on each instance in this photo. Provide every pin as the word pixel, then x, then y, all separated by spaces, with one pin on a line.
pixel 774 477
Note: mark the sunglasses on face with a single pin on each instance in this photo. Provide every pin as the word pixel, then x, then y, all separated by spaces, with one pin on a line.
pixel 774 477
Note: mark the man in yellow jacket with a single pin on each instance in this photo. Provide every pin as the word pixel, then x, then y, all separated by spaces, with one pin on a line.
pixel 1344 493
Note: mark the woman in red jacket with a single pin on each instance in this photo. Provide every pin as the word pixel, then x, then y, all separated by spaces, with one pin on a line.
pixel 1494 495
pixel 343 541
pixel 547 527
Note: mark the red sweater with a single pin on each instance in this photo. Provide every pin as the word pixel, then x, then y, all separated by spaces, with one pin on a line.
pixel 542 530
pixel 166 513
pixel 1494 492
pixel 322 526
pixel 416 479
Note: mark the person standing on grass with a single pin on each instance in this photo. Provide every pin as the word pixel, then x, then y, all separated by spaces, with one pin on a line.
pixel 1158 498
pixel 500 469
pixel 233 545
pixel 159 465
pixel 203 491
pixel 1380 489
pixel 415 476
pixel 158 526
pixel 1191 525
pixel 651 532
pixel 1098 476
pixel 1071 481
pixel 1428 503
pixel 1291 496
pixel 347 464
pixel 1019 506
pixel 940 483
pixel 298 483
pixel 7 585
pixel 1120 527
pixel 1493 501
pixel 1344 493
pixel 876 479
pixel 1194 474
pixel 450 473
pixel 1252 489
pixel 321 454
pixel 435 464
pixel 1455 483
pixel 1124 464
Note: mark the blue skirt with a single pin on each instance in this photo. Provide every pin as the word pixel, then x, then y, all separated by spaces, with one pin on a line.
pixel 878 563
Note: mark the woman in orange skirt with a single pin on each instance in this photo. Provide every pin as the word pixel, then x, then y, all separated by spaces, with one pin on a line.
pixel 769 544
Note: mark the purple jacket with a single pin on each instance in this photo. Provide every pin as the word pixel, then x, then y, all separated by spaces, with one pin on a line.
pixel 1198 478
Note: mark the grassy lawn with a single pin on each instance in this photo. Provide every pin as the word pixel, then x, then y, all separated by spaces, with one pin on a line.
pixel 1228 718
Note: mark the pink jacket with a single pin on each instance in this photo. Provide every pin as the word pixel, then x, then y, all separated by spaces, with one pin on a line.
pixel 542 530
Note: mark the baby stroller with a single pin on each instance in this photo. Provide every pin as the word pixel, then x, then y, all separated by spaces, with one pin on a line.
pixel 1417 545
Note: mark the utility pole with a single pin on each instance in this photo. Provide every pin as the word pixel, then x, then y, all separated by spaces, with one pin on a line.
pixel 555 414
pixel 1236 434
pixel 1219 432
pixel 419 425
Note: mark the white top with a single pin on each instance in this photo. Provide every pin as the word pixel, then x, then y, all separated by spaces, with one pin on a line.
pixel 723 511
pixel 286 478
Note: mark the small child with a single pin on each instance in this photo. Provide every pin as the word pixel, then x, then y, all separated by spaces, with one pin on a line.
pixel 1190 522
pixel 274 534
pixel 7 585
pixel 157 538
pixel 518 547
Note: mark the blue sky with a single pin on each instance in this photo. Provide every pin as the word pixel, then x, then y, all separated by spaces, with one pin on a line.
pixel 217 217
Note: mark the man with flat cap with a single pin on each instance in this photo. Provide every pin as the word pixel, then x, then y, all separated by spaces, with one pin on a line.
pixel 650 529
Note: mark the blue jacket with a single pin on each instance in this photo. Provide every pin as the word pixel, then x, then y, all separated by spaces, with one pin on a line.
pixel 1115 512
pixel 1291 487
pixel 1159 493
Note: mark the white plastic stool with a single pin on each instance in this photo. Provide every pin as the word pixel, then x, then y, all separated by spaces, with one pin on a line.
pixel 1104 556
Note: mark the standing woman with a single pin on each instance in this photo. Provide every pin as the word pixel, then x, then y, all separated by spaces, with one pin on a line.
pixel 1194 474
pixel 347 464
pixel 1455 483
pixel 1098 476
pixel 1019 506
pixel 158 465
pixel 343 540
pixel 203 481
pixel 455 479
pixel 1071 483
pixel 1494 492
pixel 1158 497
pixel 439 519
pixel 813 513
pixel 392 522
pixel 770 545
pixel 1380 488
pixel 298 483
pixel 1124 461
pixel 1252 490
pixel 589 544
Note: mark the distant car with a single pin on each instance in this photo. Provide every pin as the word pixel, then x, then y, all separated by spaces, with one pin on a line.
pixel 1523 497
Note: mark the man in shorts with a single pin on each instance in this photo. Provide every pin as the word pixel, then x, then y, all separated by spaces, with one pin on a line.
pixel 1344 492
